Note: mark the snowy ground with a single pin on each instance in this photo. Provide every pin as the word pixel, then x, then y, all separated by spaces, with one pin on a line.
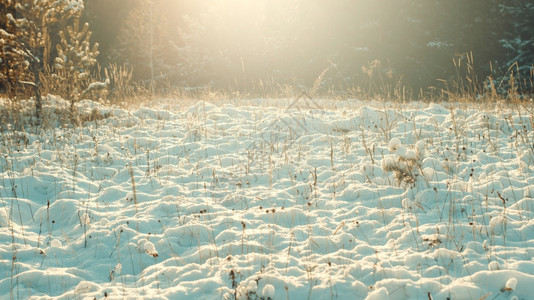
pixel 284 202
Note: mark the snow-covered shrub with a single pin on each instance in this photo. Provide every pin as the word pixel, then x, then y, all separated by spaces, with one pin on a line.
pixel 27 30
pixel 405 163
pixel 75 58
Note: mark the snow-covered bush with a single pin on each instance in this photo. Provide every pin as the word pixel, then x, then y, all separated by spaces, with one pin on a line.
pixel 29 37
pixel 75 58
pixel 405 163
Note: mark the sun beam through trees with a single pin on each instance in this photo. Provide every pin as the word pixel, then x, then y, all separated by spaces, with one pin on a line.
pixel 261 45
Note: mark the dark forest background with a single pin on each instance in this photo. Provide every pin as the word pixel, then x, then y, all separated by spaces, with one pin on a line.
pixel 348 44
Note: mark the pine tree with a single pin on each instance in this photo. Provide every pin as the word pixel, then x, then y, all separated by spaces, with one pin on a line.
pixel 146 42
pixel 12 62
pixel 75 57
pixel 29 27
pixel 518 42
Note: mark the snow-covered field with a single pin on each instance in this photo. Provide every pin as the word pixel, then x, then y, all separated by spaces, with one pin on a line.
pixel 283 201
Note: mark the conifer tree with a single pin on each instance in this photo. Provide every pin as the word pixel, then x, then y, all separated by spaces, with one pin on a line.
pixel 11 58
pixel 517 40
pixel 145 39
pixel 29 28
pixel 75 57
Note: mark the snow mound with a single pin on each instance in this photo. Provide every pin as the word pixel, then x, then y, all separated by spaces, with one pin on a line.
pixel 232 202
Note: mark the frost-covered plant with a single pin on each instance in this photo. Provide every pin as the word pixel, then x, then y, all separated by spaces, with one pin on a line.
pixel 75 57
pixel 518 40
pixel 405 163
pixel 12 59
pixel 28 29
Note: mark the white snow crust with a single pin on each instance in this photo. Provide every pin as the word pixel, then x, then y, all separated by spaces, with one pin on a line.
pixel 212 201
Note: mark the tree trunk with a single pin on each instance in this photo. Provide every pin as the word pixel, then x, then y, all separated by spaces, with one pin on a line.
pixel 151 50
pixel 36 68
